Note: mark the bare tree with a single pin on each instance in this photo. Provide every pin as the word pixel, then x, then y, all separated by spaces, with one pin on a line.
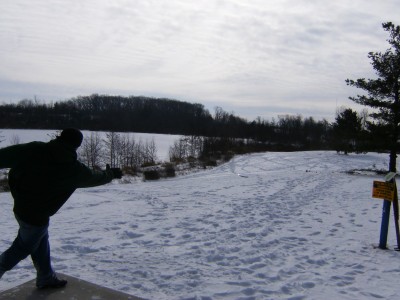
pixel 112 144
pixel 195 145
pixel 1 138
pixel 15 140
pixel 150 151
pixel 177 151
pixel 91 150
pixel 126 143
pixel 185 147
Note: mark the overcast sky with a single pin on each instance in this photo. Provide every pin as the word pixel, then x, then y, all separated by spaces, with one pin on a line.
pixel 251 57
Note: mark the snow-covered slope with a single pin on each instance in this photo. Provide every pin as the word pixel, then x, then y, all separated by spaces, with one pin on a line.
pixel 263 226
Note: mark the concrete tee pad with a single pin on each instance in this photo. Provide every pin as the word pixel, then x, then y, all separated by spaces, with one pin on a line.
pixel 76 289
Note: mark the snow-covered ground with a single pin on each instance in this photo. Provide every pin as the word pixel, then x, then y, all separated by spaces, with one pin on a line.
pixel 262 226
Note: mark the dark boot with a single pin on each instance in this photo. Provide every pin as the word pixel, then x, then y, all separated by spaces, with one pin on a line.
pixel 52 282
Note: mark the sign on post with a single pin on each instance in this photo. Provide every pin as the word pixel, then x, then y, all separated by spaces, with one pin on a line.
pixel 383 190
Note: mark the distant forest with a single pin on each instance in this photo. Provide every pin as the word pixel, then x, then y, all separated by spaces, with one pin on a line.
pixel 166 116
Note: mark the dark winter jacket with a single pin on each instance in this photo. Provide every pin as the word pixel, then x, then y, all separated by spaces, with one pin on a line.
pixel 43 176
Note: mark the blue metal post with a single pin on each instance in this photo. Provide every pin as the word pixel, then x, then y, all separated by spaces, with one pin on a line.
pixel 385 224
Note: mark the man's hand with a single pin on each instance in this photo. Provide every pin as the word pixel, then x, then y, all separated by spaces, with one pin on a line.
pixel 117 172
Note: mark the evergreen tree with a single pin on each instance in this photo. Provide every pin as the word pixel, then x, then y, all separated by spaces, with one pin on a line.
pixel 383 92
pixel 346 131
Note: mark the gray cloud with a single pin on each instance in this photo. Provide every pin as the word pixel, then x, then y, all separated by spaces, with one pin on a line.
pixel 252 56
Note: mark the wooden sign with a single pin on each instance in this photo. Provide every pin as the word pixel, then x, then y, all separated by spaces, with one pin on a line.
pixel 383 190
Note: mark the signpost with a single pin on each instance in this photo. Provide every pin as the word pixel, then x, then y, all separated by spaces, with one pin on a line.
pixel 387 191
pixel 383 190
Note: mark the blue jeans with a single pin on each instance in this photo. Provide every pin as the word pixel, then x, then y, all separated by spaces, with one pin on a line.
pixel 31 240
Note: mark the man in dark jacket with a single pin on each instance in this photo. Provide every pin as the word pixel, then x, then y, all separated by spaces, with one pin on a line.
pixel 42 177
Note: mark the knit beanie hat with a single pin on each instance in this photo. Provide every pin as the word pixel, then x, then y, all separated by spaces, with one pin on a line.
pixel 72 136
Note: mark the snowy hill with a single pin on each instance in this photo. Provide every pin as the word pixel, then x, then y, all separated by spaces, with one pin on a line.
pixel 263 226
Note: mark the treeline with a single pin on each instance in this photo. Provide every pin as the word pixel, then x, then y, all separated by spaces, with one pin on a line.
pixel 153 115
pixel 112 113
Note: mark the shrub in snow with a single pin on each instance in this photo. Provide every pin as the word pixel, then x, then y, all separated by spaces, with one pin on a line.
pixel 169 170
pixel 151 175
